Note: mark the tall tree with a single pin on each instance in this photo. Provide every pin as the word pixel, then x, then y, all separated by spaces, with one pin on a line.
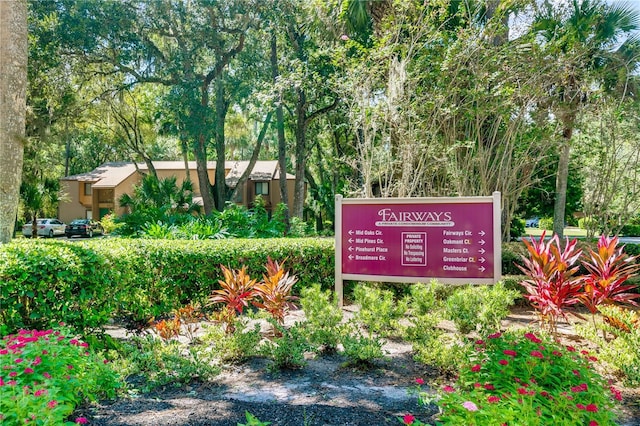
pixel 579 39
pixel 13 88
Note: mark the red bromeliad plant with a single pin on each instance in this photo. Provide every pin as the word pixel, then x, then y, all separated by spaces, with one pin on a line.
pixel 238 289
pixel 275 291
pixel 608 269
pixel 552 284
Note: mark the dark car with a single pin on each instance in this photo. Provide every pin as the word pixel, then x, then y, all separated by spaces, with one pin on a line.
pixel 84 228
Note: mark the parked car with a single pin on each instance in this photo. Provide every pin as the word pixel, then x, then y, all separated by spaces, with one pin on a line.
pixel 84 228
pixel 532 222
pixel 46 227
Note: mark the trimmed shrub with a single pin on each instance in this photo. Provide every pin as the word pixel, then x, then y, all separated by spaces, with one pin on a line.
pixel 47 282
pixel 546 223
pixel 86 283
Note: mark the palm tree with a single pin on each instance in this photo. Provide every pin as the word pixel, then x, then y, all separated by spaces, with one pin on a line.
pixel 582 39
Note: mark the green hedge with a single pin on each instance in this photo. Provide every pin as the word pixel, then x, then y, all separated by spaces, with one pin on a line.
pixel 86 283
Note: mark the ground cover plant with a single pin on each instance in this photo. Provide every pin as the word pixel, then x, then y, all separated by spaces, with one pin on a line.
pixel 45 374
pixel 522 378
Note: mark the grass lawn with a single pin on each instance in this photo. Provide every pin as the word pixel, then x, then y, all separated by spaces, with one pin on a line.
pixel 568 232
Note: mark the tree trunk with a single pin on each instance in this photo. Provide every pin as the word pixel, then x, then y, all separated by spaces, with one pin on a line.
pixel 220 184
pixel 562 178
pixel 282 143
pixel 13 89
pixel 300 153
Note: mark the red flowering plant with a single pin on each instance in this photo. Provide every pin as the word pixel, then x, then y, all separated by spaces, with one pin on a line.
pixel 608 270
pixel 237 290
pixel 274 291
pixel 45 374
pixel 522 378
pixel 552 284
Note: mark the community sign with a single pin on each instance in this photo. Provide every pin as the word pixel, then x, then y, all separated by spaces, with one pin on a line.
pixel 454 239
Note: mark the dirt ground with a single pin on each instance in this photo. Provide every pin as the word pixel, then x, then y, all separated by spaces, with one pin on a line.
pixel 324 392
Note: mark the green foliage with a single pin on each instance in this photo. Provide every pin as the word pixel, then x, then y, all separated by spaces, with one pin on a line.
pixel 287 350
pixel 618 340
pixel 253 420
pixel 379 309
pixel 630 230
pixel 517 228
pixel 361 349
pixel 426 298
pixel 588 223
pixel 521 378
pixel 108 223
pixel 546 223
pixel 323 318
pixel 46 374
pixel 148 363
pixel 480 308
pixel 217 345
pixel 47 282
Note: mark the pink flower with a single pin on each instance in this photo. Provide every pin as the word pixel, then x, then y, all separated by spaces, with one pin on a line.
pixel 477 385
pixel 537 354
pixel 3 351
pixel 493 399
pixel 106 361
pixel 480 342
pixel 40 392
pixel 571 349
pixel 408 419
pixel 580 406
pixel 494 335
pixel 47 375
pixel 532 337
pixel 420 381
pixel 557 353
pixel 448 389
pixel 73 341
pixel 28 370
pixel 476 368
pixel 509 352
pixel 489 386
pixel 593 423
pixel 45 352
pixel 470 406
pixel 592 408
pixel 82 420
pixel 52 403
pixel 18 360
pixel 13 374
pixel 1 382
pixel 576 373
pixel 617 395
pixel 36 361
pixel 522 391
pixel 580 388
pixel 503 362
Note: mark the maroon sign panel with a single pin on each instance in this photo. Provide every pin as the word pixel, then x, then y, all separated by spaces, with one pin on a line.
pixel 409 240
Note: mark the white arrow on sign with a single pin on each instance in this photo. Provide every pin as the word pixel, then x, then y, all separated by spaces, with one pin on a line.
pixel 350 257
pixel 350 248
pixel 481 242
pixel 482 260
pixel 481 251
pixel 481 269
pixel 481 233
pixel 350 240
pixel 350 232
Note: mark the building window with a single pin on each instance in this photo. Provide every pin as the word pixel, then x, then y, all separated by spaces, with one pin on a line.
pixel 87 189
pixel 262 188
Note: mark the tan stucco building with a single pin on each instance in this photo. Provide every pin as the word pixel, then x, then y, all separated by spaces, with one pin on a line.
pixel 95 194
